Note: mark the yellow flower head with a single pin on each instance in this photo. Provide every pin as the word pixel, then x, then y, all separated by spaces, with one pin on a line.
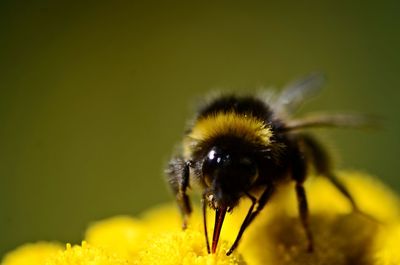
pixel 276 237
pixel 32 254
pixel 157 238
pixel 386 246
pixel 85 255
pixel 119 234
pixel 183 247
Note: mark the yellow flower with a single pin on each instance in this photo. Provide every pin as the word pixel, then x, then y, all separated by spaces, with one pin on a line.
pixel 276 236
pixel 32 254
pixel 157 238
pixel 85 254
pixel 341 236
pixel 119 234
pixel 182 247
pixel 386 246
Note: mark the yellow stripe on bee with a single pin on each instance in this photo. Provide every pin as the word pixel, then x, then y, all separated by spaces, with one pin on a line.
pixel 243 126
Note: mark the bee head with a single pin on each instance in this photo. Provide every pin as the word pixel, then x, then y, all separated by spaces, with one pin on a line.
pixel 228 174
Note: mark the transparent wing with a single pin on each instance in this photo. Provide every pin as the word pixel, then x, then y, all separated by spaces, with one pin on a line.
pixel 361 121
pixel 296 93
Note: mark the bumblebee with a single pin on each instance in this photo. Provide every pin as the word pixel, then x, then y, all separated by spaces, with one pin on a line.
pixel 244 146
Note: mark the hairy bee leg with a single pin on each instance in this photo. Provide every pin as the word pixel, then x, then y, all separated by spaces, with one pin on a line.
pixel 262 201
pixel 299 174
pixel 322 164
pixel 304 214
pixel 182 195
pixel 178 177
pixel 342 188
pixel 244 224
pixel 204 208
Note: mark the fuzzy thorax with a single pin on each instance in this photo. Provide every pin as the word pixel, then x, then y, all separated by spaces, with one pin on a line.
pixel 242 126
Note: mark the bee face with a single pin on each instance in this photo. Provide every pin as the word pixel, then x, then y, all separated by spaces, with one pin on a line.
pixel 228 175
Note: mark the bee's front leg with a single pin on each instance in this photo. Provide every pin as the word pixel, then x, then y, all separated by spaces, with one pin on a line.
pixel 178 173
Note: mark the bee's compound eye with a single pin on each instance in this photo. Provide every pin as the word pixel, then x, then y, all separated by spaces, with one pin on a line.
pixel 245 161
pixel 211 162
pixel 247 167
pixel 213 157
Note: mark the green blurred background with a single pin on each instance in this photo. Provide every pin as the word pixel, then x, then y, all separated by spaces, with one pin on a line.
pixel 95 94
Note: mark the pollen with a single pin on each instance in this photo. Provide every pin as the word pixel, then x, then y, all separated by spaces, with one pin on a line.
pixel 86 254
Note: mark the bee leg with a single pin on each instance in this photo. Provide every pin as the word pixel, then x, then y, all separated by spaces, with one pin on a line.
pixel 204 208
pixel 262 201
pixel 323 166
pixel 303 211
pixel 244 224
pixel 299 173
pixel 178 173
pixel 342 188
